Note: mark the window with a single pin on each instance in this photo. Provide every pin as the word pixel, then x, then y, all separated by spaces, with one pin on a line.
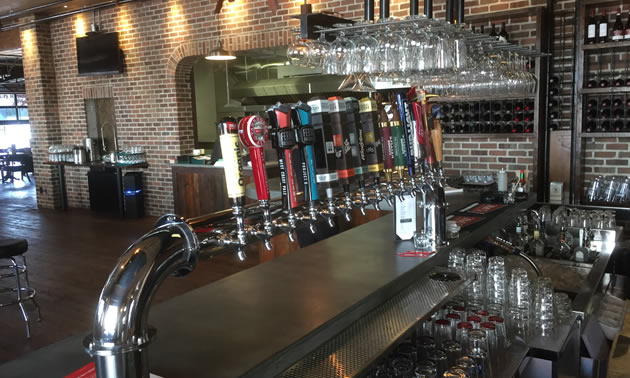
pixel 14 121
pixel 13 108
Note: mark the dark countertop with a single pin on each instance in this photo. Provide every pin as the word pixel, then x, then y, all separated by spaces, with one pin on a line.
pixel 259 321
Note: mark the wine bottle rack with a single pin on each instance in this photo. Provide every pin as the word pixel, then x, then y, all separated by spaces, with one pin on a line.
pixel 606 113
pixel 514 116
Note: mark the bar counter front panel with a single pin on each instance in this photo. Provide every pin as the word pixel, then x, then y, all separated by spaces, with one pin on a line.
pixel 260 321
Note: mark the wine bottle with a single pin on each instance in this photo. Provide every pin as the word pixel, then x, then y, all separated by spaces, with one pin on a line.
pixel 554 126
pixel 619 82
pixel 590 126
pixel 467 117
pixel 617 102
pixel 496 106
pixel 486 117
pixel 507 117
pixel 618 113
pixel 456 108
pixel 518 106
pixel 446 119
pixel 604 126
pixel 628 82
pixel 496 117
pixel 493 32
pixel 618 29
pixel 617 126
pixel 626 32
pixel 606 103
pixel 530 105
pixel 481 31
pixel 503 34
pixel 603 83
pixel 591 34
pixel 457 118
pixel 592 103
pixel 553 91
pixel 529 128
pixel 554 80
pixel 507 106
pixel 485 106
pixel 591 114
pixel 476 128
pixel 485 128
pixel 605 113
pixel 628 102
pixel 553 103
pixel 517 128
pixel 602 28
pixel 466 107
pixel 591 83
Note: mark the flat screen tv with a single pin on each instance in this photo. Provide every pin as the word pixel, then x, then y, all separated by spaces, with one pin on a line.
pixel 99 54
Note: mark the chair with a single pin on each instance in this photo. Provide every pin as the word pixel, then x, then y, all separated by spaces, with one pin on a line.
pixel 22 163
pixel 9 250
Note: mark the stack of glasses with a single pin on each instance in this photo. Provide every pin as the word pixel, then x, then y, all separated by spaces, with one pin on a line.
pixel 530 308
pixel 465 336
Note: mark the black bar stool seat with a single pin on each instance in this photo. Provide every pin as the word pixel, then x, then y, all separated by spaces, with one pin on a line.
pixel 12 247
pixel 9 250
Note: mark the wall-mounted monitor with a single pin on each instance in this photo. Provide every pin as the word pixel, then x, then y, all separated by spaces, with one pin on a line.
pixel 99 54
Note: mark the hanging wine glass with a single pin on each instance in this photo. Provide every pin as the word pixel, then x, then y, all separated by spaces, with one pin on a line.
pixel 298 53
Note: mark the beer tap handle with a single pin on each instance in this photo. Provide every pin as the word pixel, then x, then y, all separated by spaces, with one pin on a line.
pixel 306 138
pixel 253 133
pixel 405 119
pixel 233 168
pixel 419 131
pixel 283 141
pixel 436 138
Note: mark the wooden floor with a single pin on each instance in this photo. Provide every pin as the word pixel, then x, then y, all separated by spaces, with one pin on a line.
pixel 70 255
pixel 72 252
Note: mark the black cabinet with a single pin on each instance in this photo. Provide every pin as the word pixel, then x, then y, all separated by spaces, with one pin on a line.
pixel 104 189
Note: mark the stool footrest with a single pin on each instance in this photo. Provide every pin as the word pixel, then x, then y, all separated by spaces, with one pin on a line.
pixel 27 293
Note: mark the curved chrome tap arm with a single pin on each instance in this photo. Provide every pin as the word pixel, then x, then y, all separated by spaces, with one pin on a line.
pixel 121 335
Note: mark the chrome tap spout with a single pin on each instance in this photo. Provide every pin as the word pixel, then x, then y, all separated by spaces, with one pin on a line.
pixel 121 335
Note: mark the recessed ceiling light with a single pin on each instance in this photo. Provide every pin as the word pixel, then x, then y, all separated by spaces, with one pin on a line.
pixel 65 6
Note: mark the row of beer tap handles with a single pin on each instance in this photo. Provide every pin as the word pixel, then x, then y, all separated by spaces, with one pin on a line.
pixel 370 150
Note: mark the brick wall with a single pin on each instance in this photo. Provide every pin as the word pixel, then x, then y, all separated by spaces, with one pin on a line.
pixel 473 154
pixel 606 156
pixel 39 72
pixel 161 40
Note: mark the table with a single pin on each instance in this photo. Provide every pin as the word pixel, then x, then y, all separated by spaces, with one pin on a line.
pixel 119 168
pixel 25 165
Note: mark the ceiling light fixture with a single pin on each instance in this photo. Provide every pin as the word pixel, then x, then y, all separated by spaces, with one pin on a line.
pixel 220 54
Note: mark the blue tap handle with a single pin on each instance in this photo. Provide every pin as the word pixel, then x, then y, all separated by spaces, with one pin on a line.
pixel 304 114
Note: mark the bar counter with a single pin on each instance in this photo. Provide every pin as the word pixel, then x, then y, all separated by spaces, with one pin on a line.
pixel 259 322
pixel 200 189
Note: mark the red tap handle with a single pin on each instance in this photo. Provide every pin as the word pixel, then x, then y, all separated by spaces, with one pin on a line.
pixel 253 133
pixel 430 158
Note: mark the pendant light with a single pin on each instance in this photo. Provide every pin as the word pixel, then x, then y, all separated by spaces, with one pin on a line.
pixel 220 54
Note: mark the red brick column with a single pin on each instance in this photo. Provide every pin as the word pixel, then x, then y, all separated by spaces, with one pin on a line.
pixel 41 91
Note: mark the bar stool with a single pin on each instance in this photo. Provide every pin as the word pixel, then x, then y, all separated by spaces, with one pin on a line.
pixel 9 250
